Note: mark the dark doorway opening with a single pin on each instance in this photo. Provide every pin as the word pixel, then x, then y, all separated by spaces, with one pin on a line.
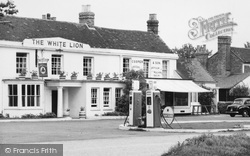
pixel 54 101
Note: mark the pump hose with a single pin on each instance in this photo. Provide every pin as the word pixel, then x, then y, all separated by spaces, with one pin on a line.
pixel 125 120
pixel 162 117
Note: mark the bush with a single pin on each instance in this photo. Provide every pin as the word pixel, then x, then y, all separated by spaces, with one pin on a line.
pixel 48 115
pixel 222 106
pixel 1 116
pixel 32 116
pixel 123 104
pixel 114 114
pixel 28 116
pixel 208 144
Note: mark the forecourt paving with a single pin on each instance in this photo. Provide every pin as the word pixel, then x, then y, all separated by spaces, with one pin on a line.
pixel 198 119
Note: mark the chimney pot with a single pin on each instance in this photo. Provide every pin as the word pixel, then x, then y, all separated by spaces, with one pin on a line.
pixel 86 16
pixel 44 17
pixel 152 17
pixel 48 15
pixel 86 8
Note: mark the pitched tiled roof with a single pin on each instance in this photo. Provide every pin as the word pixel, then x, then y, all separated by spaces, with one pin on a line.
pixel 98 37
pixel 232 80
pixel 193 70
pixel 242 53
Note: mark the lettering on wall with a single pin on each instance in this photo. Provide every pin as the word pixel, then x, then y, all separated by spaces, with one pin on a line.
pixel 57 43
pixel 212 27
pixel 136 64
pixel 156 68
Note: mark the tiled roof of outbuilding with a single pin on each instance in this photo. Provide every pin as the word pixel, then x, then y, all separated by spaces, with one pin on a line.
pixel 193 69
pixel 232 80
pixel 242 53
pixel 97 37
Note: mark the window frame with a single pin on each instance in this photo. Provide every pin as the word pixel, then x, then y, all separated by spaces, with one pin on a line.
pixel 178 98
pixel 12 95
pixel 164 68
pixel 31 95
pixel 126 63
pixel 106 98
pixel 56 66
pixel 146 67
pixel 117 95
pixel 21 62
pixel 97 97
pixel 87 67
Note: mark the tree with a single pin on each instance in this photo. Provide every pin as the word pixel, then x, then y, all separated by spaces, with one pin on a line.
pixel 7 8
pixel 239 91
pixel 123 102
pixel 187 51
pixel 247 45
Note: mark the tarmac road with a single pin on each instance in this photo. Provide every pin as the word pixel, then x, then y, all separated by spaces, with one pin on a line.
pixel 100 137
pixel 132 146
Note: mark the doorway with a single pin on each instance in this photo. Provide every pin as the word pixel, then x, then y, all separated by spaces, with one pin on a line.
pixel 54 101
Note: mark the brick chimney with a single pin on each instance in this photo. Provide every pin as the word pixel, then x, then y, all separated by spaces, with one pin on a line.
pixel 153 24
pixel 86 16
pixel 202 55
pixel 224 49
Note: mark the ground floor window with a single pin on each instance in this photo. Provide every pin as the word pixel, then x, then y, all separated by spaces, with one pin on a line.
pixel 106 97
pixel 13 95
pixel 94 97
pixel 181 99
pixel 118 93
pixel 30 95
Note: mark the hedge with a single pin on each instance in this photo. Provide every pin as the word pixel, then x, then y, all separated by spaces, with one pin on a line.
pixel 222 106
pixel 210 145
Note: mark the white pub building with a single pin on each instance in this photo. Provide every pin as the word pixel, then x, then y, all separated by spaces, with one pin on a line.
pixel 48 47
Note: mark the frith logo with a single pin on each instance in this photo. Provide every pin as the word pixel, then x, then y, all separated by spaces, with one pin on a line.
pixel 211 27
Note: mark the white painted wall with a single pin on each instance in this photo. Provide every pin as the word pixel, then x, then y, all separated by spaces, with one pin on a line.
pixel 101 85
pixel 105 60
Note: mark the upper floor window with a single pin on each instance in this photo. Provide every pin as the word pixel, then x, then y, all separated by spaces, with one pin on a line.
pixel 87 65
pixel 21 62
pixel 126 65
pixel 56 64
pixel 13 95
pixel 146 67
pixel 164 69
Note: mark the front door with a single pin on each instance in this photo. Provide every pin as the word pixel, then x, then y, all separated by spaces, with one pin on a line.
pixel 54 101
pixel 169 99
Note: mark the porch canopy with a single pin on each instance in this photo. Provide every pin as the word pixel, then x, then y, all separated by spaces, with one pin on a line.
pixel 174 85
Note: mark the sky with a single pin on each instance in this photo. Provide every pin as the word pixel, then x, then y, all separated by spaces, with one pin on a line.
pixel 173 16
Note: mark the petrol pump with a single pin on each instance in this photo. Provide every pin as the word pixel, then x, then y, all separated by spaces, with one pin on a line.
pixel 135 108
pixel 153 108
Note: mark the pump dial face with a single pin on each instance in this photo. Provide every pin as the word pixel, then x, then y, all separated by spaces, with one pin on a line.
pixel 168 115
